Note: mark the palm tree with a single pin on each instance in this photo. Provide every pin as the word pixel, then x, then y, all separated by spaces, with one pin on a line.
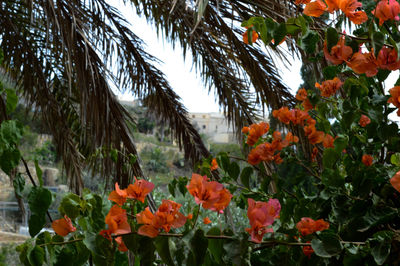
pixel 64 55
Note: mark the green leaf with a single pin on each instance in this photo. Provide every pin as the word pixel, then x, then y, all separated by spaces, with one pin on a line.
pixel 39 200
pixel 224 162
pixel 330 72
pixel 378 40
pixel 340 143
pixel 332 38
pixel 12 100
pixel 19 184
pixel 326 245
pixel 309 42
pixel 380 246
pixel 11 131
pixel 163 249
pixel 245 176
pixel 9 159
pixel 215 246
pixel 330 157
pixel 234 170
pixel 332 177
pixel 36 223
pixel 36 256
pixel 146 251
pixel 39 173
pixel 279 34
pixel 198 245
pixel 182 182
pixel 395 159
pixel 70 205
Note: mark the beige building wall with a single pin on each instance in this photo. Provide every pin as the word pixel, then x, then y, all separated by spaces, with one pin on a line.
pixel 214 125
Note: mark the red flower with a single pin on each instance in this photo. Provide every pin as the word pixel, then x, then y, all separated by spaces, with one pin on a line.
pixel 387 59
pixel 301 94
pixel 211 194
pixel 214 165
pixel 329 87
pixel 139 189
pixel 387 10
pixel 395 181
pixel 308 250
pixel 206 220
pixel 308 226
pixel 261 215
pixel 364 121
pixel 63 226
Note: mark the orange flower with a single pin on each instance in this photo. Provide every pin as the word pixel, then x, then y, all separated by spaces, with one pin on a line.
pixel 117 220
pixel 395 181
pixel 118 195
pixel 63 226
pixel 139 189
pixel 364 63
pixel 301 94
pixel 367 160
pixel 314 136
pixel 315 9
pixel 256 131
pixel 364 121
pixel 291 138
pixel 189 216
pixel 207 220
pixel 328 141
pixel 329 87
pixel 349 9
pixel 245 130
pixel 296 116
pixel 107 235
pixel 395 99
pixel 254 36
pixel 314 154
pixel 166 217
pixel 211 194
pixel 307 105
pixel 339 53
pixel 299 2
pixel 307 226
pixel 214 165
pixel 387 10
pixel 261 215
pixel 387 59
pixel 332 5
pixel 308 250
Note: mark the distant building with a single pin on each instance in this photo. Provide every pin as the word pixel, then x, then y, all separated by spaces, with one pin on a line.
pixel 213 125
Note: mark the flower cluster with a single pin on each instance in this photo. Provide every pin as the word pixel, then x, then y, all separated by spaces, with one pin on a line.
pixel 210 194
pixel 63 226
pixel 261 216
pixel 117 222
pixel 307 226
pixel 255 131
pixel 166 217
pixel 138 191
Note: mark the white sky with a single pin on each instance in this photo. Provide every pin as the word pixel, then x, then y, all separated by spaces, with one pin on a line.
pixel 182 78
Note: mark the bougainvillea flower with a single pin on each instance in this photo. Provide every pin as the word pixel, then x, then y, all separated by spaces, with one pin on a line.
pixel 307 226
pixel 107 235
pixel 63 226
pixel 395 181
pixel 256 131
pixel 166 217
pixel 314 154
pixel 308 250
pixel 296 116
pixel 387 10
pixel 349 7
pixel 339 53
pixel 245 130
pixel 301 94
pixel 299 2
pixel 307 105
pixel 314 136
pixel 328 141
pixel 332 5
pixel 387 59
pixel 139 189
pixel 189 216
pixel 261 215
pixel 364 121
pixel 117 220
pixel 118 196
pixel 367 160
pixel 211 194
pixel 214 165
pixel 329 87
pixel 364 63
pixel 206 220
pixel 315 9
pixel 395 99
pixel 254 36
pixel 291 138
